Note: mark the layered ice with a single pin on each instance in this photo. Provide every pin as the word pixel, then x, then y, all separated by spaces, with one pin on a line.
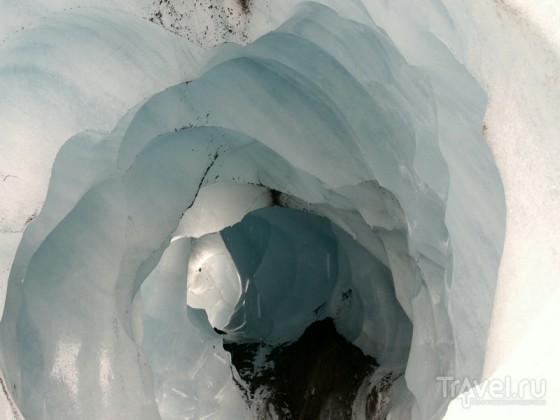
pixel 314 172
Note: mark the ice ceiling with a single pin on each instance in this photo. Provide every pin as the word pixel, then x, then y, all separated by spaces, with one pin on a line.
pixel 350 169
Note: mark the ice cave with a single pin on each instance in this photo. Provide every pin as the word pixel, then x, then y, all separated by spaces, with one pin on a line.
pixel 260 209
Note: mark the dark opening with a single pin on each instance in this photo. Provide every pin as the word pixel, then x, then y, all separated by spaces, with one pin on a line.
pixel 316 376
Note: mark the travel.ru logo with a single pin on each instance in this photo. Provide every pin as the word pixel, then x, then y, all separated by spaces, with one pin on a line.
pixel 494 391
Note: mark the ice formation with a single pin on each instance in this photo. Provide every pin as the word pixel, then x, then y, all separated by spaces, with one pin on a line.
pixel 379 142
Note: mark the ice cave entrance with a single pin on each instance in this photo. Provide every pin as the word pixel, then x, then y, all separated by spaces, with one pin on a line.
pixel 284 285
pixel 354 187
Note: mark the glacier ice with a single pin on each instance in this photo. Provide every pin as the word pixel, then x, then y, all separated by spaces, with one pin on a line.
pixel 324 111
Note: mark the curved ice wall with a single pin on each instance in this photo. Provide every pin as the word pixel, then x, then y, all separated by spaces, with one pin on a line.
pixel 323 112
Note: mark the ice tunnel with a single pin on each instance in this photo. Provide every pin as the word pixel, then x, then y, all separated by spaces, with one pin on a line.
pixel 311 174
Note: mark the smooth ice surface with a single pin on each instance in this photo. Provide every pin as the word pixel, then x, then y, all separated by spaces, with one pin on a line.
pixel 292 110
pixel 192 374
pixel 344 128
pixel 53 69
